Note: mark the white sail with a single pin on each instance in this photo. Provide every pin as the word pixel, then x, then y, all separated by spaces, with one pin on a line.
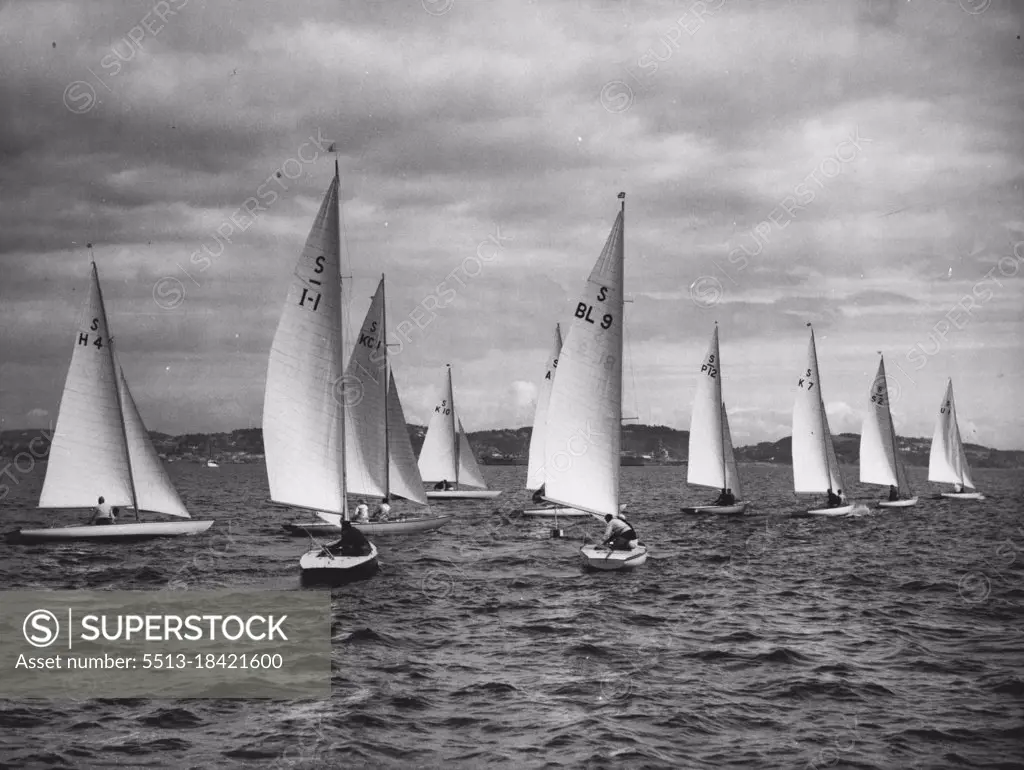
pixel 581 449
pixel 404 476
pixel 947 461
pixel 469 471
pixel 878 461
pixel 366 445
pixel 302 413
pixel 815 468
pixel 153 488
pixel 88 456
pixel 535 469
pixel 438 454
pixel 732 474
pixel 706 463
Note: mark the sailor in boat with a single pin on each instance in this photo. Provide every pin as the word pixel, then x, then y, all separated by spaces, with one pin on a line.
pixel 619 535
pixel 726 498
pixel 834 500
pixel 443 485
pixel 383 512
pixel 538 496
pixel 893 493
pixel 351 543
pixel 103 513
pixel 956 488
pixel 362 512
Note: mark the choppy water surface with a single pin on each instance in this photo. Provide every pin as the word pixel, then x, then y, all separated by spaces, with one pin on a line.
pixel 890 639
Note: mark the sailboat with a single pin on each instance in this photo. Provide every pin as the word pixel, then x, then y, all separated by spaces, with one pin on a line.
pixel 210 462
pixel 378 453
pixel 446 456
pixel 815 467
pixel 947 461
pixel 584 424
pixel 712 462
pixel 303 414
pixel 879 457
pixel 101 447
pixel 535 473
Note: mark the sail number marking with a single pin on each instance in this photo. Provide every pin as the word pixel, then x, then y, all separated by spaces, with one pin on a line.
pixel 805 379
pixel 878 397
pixel 709 367
pixel 585 311
pixel 442 408
pixel 311 295
pixel 83 337
pixel 945 409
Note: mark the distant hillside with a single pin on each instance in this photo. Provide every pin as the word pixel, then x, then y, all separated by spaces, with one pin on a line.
pixel 652 440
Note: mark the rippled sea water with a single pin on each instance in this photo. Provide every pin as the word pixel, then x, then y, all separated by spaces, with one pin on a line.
pixel 887 640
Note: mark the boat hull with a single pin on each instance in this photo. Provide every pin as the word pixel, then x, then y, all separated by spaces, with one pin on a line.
pixel 964 495
pixel 841 510
pixel 463 494
pixel 600 558
pixel 739 507
pixel 401 527
pixel 141 530
pixel 897 503
pixel 552 511
pixel 319 568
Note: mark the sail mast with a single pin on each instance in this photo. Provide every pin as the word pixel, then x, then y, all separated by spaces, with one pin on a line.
pixel 622 320
pixel 341 337
pixel 721 408
pixel 117 388
pixel 821 410
pixel 387 385
pixel 455 424
pixel 956 429
pixel 892 437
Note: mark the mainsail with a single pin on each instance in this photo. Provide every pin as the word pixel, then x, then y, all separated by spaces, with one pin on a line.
pixel 581 448
pixel 535 470
pixel 815 468
pixel 378 452
pixel 303 420
pixel 100 446
pixel 947 461
pixel 446 454
pixel 879 460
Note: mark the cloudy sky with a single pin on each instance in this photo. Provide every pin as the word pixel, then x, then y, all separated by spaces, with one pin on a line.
pixel 858 165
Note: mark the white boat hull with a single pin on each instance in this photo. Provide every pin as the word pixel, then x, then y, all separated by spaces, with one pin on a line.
pixel 964 495
pixel 141 530
pixel 399 527
pixel 463 494
pixel 897 503
pixel 739 507
pixel 841 510
pixel 553 510
pixel 599 557
pixel 321 568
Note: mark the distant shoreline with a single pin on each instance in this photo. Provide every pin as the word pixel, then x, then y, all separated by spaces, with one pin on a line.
pixel 658 445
